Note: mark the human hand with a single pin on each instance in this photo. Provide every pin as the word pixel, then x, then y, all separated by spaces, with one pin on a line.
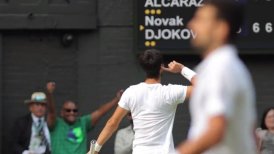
pixel 173 67
pixel 119 94
pixel 51 87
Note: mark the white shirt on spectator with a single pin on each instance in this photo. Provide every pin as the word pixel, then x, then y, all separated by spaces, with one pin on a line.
pixel 224 87
pixel 123 140
pixel 153 108
pixel 38 149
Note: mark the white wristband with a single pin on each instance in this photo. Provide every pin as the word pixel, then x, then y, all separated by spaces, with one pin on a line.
pixel 188 73
pixel 97 147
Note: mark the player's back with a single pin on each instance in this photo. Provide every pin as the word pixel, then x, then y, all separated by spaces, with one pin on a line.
pixel 153 108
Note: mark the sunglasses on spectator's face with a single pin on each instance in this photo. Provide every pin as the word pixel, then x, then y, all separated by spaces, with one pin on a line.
pixel 71 110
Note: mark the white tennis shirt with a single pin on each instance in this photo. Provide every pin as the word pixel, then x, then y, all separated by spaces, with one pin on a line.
pixel 153 108
pixel 224 87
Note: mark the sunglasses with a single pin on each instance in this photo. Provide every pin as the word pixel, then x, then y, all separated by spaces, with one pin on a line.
pixel 71 110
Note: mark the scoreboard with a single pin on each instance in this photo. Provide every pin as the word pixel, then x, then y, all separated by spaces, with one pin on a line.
pixel 162 24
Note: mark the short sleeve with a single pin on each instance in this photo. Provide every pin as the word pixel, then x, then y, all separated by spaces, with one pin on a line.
pixel 86 120
pixel 125 99
pixel 175 94
pixel 217 98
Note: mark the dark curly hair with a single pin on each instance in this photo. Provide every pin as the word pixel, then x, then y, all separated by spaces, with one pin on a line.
pixel 151 61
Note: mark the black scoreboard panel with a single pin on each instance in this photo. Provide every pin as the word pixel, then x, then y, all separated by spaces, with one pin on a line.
pixel 162 24
pixel 258 27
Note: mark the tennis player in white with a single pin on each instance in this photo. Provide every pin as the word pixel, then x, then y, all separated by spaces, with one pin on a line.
pixel 222 104
pixel 152 106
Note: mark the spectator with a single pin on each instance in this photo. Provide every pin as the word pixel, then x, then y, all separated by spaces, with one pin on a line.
pixel 31 133
pixel 266 133
pixel 124 139
pixel 69 132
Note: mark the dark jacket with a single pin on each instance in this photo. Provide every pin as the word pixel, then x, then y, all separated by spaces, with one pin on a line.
pixel 21 134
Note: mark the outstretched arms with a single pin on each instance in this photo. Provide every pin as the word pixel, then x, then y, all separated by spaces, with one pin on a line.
pixel 100 112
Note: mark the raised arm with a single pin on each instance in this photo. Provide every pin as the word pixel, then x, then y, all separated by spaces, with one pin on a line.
pixel 175 67
pixel 101 111
pixel 51 116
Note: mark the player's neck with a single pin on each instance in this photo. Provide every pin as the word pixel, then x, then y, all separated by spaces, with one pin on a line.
pixel 152 80
pixel 213 47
